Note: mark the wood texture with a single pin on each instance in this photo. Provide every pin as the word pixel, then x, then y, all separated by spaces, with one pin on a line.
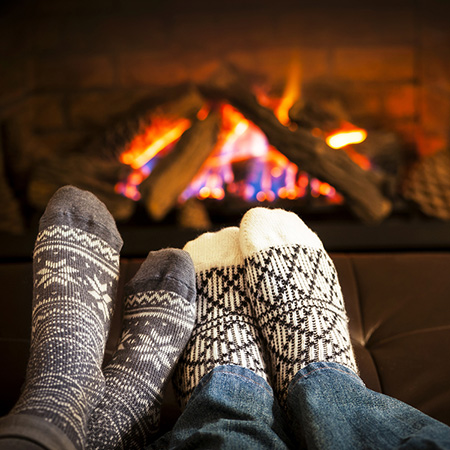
pixel 173 174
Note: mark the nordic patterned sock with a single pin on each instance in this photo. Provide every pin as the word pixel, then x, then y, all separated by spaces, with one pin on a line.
pixel 225 331
pixel 158 321
pixel 75 270
pixel 296 294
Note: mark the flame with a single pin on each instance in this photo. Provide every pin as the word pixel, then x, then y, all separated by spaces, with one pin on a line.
pixel 156 138
pixel 347 137
pixel 341 139
pixel 291 91
pixel 268 174
pixel 243 163
pixel 145 149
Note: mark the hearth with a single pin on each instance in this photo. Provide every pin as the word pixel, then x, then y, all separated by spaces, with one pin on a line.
pixel 178 135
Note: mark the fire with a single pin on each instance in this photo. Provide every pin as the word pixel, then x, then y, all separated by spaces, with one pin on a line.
pixel 291 92
pixel 343 138
pixel 145 150
pixel 242 147
pixel 156 138
pixel 243 163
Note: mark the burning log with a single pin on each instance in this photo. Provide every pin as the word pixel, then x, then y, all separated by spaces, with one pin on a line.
pixel 311 154
pixel 97 167
pixel 117 138
pixel 311 115
pixel 160 191
pixel 97 175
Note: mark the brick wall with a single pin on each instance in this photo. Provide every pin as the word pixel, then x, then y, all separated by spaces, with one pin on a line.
pixel 68 67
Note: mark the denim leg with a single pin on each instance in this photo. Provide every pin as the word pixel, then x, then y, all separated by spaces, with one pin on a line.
pixel 330 408
pixel 231 408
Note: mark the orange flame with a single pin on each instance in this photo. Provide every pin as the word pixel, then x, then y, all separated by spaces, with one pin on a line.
pixel 266 174
pixel 291 91
pixel 156 138
pixel 343 138
pixel 269 174
pixel 347 137
pixel 144 147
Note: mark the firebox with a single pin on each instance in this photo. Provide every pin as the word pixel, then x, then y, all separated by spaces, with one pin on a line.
pixel 181 117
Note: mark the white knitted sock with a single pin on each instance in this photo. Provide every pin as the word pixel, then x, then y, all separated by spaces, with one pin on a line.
pixel 158 320
pixel 295 291
pixel 225 331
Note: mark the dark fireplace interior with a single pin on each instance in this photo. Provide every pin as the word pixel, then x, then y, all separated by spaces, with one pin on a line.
pixel 181 116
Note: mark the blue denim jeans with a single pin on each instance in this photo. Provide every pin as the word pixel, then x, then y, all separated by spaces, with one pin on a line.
pixel 231 408
pixel 328 407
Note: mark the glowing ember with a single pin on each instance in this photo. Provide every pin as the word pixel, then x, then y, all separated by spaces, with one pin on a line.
pixel 344 138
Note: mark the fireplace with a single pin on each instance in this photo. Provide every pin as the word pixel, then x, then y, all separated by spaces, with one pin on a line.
pixel 83 82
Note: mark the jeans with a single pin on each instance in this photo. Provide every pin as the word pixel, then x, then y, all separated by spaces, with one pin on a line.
pixel 328 407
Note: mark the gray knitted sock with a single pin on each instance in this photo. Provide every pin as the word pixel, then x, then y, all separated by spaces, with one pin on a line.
pixel 158 320
pixel 76 268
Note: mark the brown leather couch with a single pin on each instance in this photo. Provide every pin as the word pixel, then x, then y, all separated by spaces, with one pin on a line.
pixel 399 309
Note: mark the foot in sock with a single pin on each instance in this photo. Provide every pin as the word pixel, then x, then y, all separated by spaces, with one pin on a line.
pixel 75 270
pixel 225 331
pixel 296 294
pixel 158 321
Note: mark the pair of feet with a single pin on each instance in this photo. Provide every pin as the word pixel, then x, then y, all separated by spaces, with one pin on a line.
pixel 67 392
pixel 267 299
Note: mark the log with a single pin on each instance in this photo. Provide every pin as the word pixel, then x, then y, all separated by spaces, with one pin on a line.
pixel 161 190
pixel 184 102
pixel 309 115
pixel 311 154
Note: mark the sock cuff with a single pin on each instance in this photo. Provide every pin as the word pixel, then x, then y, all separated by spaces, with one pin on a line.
pixel 34 429
pixel 263 228
pixel 219 249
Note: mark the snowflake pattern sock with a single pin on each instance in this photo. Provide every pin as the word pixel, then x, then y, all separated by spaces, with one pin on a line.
pixel 296 294
pixel 225 331
pixel 158 321
pixel 75 270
